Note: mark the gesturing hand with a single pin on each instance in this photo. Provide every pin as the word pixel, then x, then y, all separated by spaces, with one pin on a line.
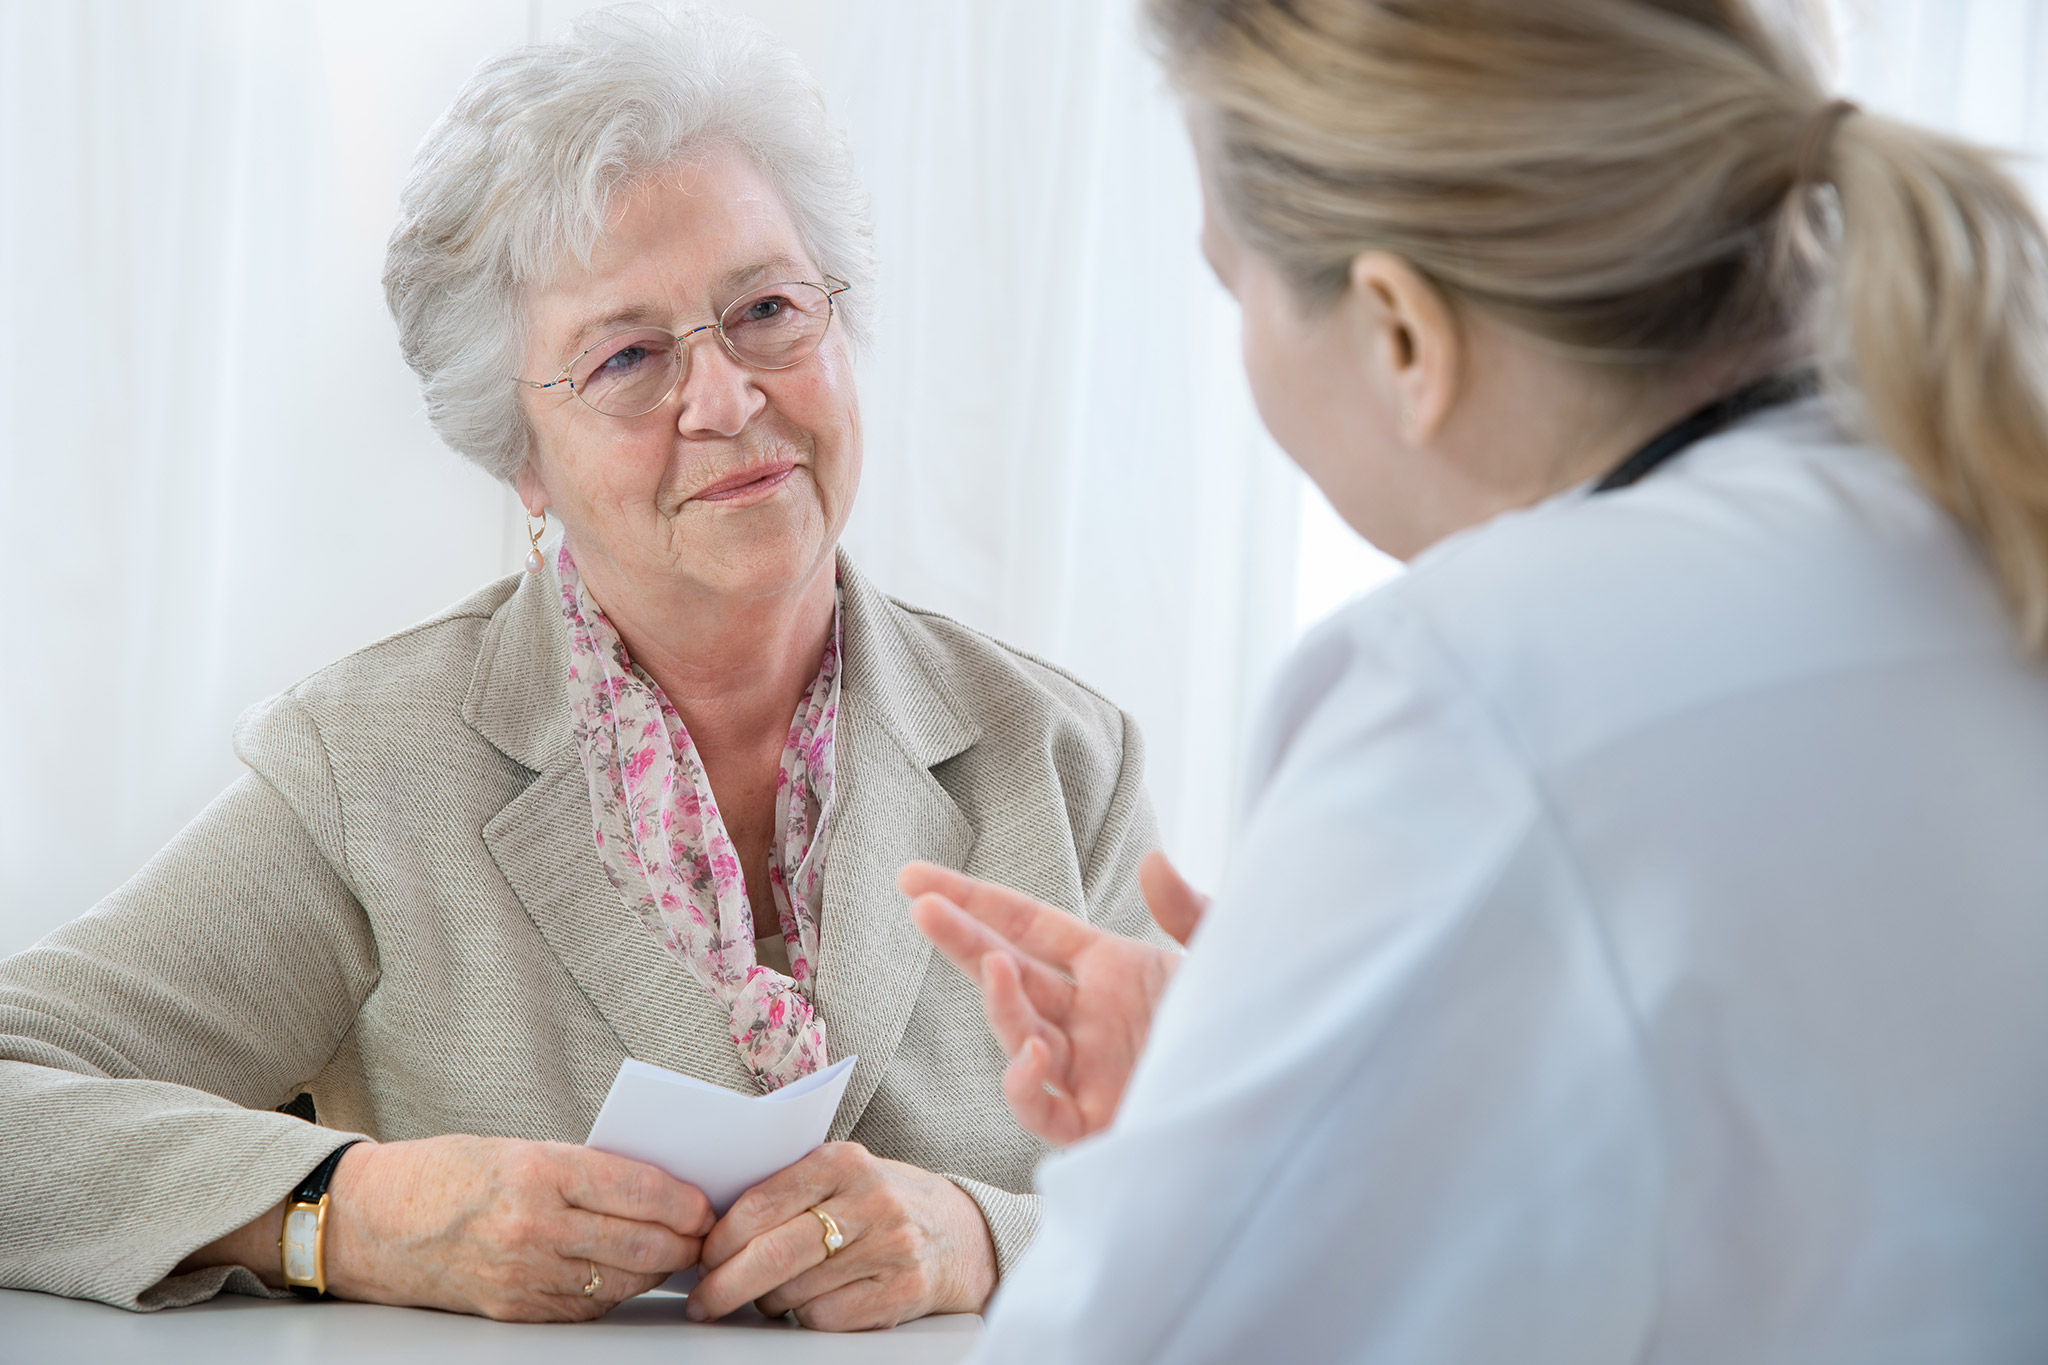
pixel 915 1244
pixel 1070 1003
pixel 508 1229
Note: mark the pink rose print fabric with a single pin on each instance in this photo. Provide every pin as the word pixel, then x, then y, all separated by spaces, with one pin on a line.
pixel 664 846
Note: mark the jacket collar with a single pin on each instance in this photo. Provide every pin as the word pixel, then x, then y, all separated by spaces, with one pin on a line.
pixel 519 697
pixel 900 715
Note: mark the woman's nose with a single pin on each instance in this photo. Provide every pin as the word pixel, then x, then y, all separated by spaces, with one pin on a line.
pixel 719 394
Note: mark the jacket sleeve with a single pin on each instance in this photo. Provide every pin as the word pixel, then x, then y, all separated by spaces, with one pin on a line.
pixel 144 1046
pixel 1012 1219
pixel 1129 830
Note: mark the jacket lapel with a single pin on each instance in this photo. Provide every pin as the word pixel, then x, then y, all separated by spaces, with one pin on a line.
pixel 542 842
pixel 897 720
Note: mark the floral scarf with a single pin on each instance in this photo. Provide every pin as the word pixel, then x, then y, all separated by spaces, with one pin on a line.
pixel 665 847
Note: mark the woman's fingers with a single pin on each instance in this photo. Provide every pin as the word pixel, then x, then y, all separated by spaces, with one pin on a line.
pixel 768 1261
pixel 781 1197
pixel 859 1306
pixel 1051 935
pixel 920 879
pixel 611 1285
pixel 623 1188
pixel 962 938
pixel 966 942
pixel 1011 1013
pixel 917 1235
pixel 614 1285
pixel 1041 1107
pixel 831 1272
pixel 643 1248
pixel 1176 906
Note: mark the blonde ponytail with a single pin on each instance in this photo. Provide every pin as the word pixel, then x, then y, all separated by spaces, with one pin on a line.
pixel 1937 329
pixel 1644 183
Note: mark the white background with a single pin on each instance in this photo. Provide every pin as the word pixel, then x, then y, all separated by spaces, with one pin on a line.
pixel 216 477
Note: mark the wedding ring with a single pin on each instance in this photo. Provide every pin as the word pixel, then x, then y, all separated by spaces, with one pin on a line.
pixel 594 1283
pixel 833 1238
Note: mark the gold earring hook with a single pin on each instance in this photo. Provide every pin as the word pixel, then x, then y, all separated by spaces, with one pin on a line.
pixel 533 559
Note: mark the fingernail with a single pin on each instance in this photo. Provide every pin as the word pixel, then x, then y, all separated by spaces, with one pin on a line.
pixel 694 1311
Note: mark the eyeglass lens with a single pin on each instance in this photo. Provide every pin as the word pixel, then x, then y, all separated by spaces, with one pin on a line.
pixel 772 328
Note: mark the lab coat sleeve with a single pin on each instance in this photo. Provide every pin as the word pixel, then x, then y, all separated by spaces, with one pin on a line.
pixel 1437 1139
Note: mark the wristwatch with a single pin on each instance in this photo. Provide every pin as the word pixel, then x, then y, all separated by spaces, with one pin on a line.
pixel 302 1243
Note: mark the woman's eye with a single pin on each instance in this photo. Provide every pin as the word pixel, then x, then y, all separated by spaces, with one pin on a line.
pixel 623 361
pixel 765 309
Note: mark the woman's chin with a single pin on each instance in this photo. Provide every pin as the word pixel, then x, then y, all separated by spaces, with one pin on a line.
pixel 751 556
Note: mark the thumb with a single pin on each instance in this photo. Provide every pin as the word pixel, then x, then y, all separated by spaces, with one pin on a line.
pixel 1176 906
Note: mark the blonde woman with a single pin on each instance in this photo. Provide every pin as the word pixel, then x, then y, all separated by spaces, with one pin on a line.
pixel 1637 947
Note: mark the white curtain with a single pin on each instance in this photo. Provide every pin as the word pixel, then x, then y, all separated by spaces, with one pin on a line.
pixel 213 466
pixel 216 473
pixel 1972 67
pixel 216 477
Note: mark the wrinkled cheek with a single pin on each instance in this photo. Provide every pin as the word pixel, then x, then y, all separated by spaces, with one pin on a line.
pixel 621 482
pixel 841 482
pixel 836 464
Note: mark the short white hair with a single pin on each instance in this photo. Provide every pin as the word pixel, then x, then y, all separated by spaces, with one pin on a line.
pixel 518 178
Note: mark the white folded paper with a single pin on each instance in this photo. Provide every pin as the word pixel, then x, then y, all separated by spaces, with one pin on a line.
pixel 723 1142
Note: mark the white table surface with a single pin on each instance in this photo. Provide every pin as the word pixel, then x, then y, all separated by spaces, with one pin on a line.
pixel 232 1328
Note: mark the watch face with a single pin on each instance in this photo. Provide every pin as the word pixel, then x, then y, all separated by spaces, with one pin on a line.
pixel 301 1245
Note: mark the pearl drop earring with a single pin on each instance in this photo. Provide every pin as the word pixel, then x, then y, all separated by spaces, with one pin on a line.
pixel 533 559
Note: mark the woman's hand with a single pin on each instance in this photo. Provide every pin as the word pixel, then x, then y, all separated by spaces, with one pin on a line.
pixel 504 1228
pixel 507 1229
pixel 1071 1004
pixel 915 1244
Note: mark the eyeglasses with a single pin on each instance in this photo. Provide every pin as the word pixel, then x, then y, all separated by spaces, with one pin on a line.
pixel 631 373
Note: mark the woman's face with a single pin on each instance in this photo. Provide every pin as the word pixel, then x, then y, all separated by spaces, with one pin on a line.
pixel 1320 388
pixel 740 483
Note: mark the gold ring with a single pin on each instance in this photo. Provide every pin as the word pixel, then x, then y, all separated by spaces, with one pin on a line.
pixel 833 1238
pixel 594 1283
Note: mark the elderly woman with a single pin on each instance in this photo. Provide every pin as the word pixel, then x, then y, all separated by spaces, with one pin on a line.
pixel 646 799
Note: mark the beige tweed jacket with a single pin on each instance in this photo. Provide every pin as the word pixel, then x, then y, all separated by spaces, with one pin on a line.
pixel 399 909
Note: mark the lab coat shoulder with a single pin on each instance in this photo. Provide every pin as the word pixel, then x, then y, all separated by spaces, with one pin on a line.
pixel 1759 559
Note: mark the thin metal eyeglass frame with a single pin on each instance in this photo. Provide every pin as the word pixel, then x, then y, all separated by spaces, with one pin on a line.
pixel 832 288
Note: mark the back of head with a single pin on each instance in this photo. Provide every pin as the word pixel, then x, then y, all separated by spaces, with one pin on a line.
pixel 1648 184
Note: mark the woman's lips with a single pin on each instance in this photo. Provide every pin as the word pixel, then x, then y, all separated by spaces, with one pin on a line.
pixel 748 485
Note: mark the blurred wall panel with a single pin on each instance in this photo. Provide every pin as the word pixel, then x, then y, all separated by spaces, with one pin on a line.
pixel 219 473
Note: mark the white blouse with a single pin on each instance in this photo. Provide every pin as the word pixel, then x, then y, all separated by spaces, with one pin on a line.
pixel 1676 865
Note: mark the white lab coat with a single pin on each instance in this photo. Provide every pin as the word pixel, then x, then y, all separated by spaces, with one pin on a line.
pixel 1637 951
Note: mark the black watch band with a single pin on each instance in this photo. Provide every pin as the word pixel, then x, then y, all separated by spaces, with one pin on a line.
pixel 313 1190
pixel 315 1185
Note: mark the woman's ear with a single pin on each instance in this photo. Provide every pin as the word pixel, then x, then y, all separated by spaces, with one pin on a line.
pixel 533 494
pixel 1413 340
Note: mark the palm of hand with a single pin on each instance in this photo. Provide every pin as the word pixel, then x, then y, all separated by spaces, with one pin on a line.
pixel 1071 1004
pixel 1085 1046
